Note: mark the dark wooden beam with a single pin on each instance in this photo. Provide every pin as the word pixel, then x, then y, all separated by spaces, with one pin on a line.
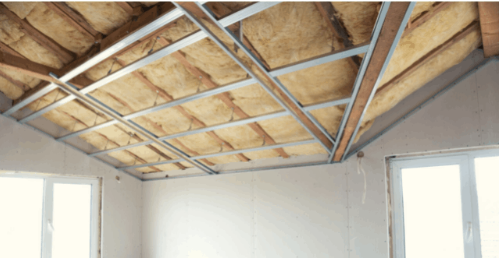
pixel 73 18
pixel 412 25
pixel 194 9
pixel 65 55
pixel 133 11
pixel 327 11
pixel 225 98
pixel 391 25
pixel 8 50
pixel 426 58
pixel 489 23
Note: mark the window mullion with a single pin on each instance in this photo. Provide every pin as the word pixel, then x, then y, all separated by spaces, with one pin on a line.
pixel 48 208
pixel 469 229
pixel 474 207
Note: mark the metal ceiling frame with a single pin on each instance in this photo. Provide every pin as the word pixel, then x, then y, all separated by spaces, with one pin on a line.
pixel 83 95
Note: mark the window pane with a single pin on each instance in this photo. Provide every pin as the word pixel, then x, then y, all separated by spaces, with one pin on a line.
pixel 487 180
pixel 21 202
pixel 432 212
pixel 71 235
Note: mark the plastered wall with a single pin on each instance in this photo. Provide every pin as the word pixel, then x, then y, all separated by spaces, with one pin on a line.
pixel 25 150
pixel 315 211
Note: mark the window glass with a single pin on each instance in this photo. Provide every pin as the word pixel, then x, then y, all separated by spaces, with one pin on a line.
pixel 487 180
pixel 21 201
pixel 432 212
pixel 71 221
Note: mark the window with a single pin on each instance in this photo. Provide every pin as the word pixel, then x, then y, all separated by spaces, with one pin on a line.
pixel 446 205
pixel 48 217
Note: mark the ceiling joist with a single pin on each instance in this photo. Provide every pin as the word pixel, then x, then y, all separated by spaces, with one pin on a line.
pixel 65 55
pixel 386 43
pixel 489 23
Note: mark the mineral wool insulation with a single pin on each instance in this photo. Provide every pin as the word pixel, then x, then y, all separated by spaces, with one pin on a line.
pixel 284 34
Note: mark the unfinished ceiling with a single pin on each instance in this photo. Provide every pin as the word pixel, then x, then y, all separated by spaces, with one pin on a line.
pixel 61 35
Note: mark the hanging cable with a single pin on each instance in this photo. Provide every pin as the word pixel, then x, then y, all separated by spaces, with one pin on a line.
pixel 360 155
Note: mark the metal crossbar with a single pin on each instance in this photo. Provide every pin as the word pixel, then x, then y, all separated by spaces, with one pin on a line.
pixel 281 71
pixel 84 96
pixel 225 153
pixel 252 74
pixel 400 31
pixel 191 39
pixel 225 125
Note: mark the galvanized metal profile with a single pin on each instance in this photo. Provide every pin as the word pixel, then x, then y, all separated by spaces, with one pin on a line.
pixel 328 104
pixel 263 69
pixel 311 164
pixel 423 104
pixel 144 31
pixel 330 57
pixel 71 89
pixel 247 69
pixel 280 71
pixel 193 38
pixel 219 126
pixel 360 75
pixel 266 147
pixel 400 31
pixel 203 94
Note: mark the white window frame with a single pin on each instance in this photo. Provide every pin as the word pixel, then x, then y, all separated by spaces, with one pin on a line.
pixel 469 197
pixel 48 208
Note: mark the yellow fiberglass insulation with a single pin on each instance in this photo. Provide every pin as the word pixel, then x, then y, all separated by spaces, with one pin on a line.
pixel 443 26
pixel 284 34
pixel 56 28
pixel 358 19
pixel 104 17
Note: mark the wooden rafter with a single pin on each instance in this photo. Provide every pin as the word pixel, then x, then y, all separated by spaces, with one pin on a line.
pixel 425 17
pixel 73 18
pixel 21 65
pixel 17 83
pixel 134 11
pixel 164 95
pixel 327 11
pixel 224 97
pixel 426 58
pixel 301 116
pixel 393 21
pixel 220 11
pixel 489 23
pixel 8 50
pixel 65 55
pixel 108 140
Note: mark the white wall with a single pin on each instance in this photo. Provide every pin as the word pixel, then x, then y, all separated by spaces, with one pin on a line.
pixel 25 150
pixel 314 211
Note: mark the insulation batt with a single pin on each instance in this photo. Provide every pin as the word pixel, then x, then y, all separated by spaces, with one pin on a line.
pixel 415 45
pixel 284 34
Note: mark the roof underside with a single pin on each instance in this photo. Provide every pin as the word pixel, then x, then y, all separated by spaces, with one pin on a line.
pixel 437 37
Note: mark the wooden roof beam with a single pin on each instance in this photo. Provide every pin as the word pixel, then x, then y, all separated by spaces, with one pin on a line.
pixel 8 50
pixel 224 97
pixel 163 94
pixel 327 11
pixel 489 23
pixel 412 25
pixel 73 18
pixel 133 11
pixel 65 55
pixel 426 58
pixel 391 25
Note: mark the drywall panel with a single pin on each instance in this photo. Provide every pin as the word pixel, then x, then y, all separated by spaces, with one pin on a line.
pixel 317 211
pixel 287 212
pixel 25 150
